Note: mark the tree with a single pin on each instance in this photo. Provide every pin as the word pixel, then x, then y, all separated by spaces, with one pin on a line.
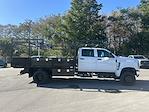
pixel 138 44
pixel 5 47
pixel 144 7
pixel 45 27
pixel 49 28
pixel 26 29
pixel 8 31
pixel 83 25
pixel 123 25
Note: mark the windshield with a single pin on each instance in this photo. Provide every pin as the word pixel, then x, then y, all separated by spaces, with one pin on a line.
pixel 139 57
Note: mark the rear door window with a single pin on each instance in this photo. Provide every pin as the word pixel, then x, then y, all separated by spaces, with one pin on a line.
pixel 88 52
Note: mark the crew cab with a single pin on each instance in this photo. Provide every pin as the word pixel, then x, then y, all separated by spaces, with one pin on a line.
pixel 88 62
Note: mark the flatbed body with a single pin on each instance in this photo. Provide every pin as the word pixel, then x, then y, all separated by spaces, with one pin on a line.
pixel 58 66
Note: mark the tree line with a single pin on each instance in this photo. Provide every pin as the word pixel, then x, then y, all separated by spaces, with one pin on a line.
pixel 124 31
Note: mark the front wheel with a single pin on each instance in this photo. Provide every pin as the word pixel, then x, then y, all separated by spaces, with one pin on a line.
pixel 127 78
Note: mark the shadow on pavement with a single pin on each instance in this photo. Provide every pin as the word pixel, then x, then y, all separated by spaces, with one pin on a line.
pixel 100 85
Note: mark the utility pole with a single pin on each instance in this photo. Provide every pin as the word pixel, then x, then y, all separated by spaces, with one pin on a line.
pixel 29 24
pixel 38 46
pixel 29 47
pixel 12 47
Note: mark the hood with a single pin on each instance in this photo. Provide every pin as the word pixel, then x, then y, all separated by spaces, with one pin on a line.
pixel 128 62
pixel 143 60
pixel 127 59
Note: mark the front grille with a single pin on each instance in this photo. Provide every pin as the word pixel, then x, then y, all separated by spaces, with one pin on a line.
pixel 145 62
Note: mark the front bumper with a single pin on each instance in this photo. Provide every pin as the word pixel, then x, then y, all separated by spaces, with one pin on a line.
pixel 144 66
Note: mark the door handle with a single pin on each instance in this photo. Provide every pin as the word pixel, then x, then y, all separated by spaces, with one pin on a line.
pixel 81 58
pixel 99 59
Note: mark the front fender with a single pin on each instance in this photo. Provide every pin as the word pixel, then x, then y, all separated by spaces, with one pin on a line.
pixel 120 71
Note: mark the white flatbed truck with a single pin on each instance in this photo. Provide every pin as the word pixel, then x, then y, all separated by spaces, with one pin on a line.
pixel 88 62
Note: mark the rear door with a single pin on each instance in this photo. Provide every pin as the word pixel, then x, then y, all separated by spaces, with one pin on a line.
pixel 86 60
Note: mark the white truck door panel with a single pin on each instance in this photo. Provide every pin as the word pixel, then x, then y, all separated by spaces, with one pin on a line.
pixel 87 64
pixel 105 62
pixel 106 65
pixel 87 60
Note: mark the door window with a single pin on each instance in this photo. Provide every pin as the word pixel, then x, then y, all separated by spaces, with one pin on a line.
pixel 103 53
pixel 88 52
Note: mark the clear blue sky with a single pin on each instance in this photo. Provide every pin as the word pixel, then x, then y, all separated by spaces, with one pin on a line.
pixel 16 11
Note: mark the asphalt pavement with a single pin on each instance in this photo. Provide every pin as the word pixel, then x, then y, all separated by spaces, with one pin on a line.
pixel 20 94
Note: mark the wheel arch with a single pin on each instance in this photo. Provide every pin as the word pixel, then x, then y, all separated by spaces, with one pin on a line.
pixel 130 69
pixel 127 76
pixel 33 70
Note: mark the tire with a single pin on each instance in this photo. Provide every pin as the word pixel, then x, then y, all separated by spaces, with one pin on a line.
pixel 128 78
pixel 30 74
pixel 50 75
pixel 41 77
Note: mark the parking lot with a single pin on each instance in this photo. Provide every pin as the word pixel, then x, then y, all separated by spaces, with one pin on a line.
pixel 19 94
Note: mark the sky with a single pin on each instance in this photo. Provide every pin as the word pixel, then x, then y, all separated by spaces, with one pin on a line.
pixel 17 11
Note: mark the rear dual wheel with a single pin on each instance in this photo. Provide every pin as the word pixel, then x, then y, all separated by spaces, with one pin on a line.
pixel 41 77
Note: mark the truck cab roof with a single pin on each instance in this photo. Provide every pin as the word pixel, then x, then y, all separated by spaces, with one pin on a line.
pixel 93 48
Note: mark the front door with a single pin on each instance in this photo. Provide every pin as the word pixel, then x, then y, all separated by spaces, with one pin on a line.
pixel 106 62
